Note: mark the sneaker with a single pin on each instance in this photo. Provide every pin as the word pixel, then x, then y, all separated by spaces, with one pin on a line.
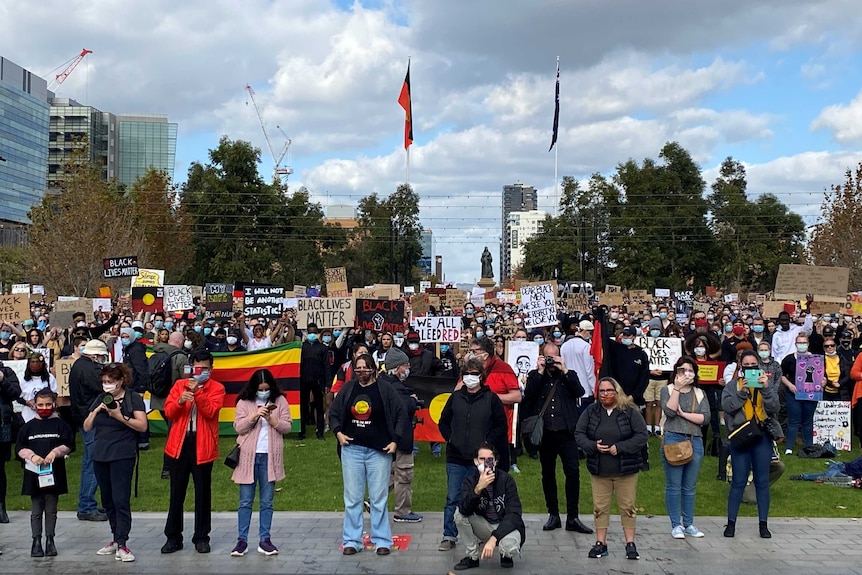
pixel 466 563
pixel 506 562
pixel 240 549
pixel 409 518
pixel 598 550
pixel 446 545
pixel 788 452
pixel 123 554
pixel 678 532
pixel 693 531
pixel 514 468
pixel 172 546
pixel 367 505
pixel 632 551
pixel 108 549
pixel 267 548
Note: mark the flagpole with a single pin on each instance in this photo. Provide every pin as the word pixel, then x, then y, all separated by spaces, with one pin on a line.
pixel 408 165
pixel 556 157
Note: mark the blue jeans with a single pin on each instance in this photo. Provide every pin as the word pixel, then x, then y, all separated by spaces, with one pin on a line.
pixel 361 467
pixel 681 481
pixel 835 469
pixel 799 414
pixel 246 499
pixel 455 475
pixel 757 459
pixel 87 491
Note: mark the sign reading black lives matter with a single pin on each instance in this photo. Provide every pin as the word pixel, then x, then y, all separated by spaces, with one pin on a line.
pixel 539 304
pixel 120 267
pixel 219 298
pixel 325 312
pixel 259 300
pixel 380 315
pixel 178 298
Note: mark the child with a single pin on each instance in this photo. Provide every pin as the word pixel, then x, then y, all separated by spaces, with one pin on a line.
pixel 44 440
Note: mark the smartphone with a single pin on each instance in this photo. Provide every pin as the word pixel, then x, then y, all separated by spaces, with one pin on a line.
pixel 270 407
pixel 187 370
pixel 751 377
pixel 489 467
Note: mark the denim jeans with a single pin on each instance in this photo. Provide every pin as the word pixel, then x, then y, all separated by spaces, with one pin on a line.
pixel 680 481
pixel 87 491
pixel 361 467
pixel 246 499
pixel 799 414
pixel 455 475
pixel 757 459
pixel 835 469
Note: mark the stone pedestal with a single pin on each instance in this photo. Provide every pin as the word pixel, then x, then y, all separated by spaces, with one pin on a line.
pixel 487 283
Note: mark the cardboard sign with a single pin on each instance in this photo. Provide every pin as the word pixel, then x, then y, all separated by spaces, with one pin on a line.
pixel 260 300
pixel 371 293
pixel 456 298
pixel 420 304
pixel 662 292
pixel 120 267
pixel 853 306
pixel 523 357
pixel 434 301
pixel 326 312
pixel 832 423
pixel 62 368
pixel 219 300
pixel 611 288
pixel 298 290
pixel 825 283
pixel 577 302
pixel 148 299
pixel 760 298
pixel 336 282
pixel 509 297
pixel 700 306
pixel 178 298
pixel 149 278
pixel 614 298
pixel 539 303
pixel 821 307
pixel 14 308
pixel 438 329
pixel 771 309
pixel 380 315
pixel 640 294
pixel 393 290
pixel 809 377
pixel 663 352
pixel 21 289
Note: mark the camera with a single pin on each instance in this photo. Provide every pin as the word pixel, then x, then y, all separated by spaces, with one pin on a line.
pixel 420 403
pixel 109 401
pixel 549 361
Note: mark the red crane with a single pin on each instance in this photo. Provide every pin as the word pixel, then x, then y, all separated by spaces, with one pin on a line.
pixel 69 66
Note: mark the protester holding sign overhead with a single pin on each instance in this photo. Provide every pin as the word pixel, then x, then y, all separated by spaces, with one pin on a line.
pixel 315 373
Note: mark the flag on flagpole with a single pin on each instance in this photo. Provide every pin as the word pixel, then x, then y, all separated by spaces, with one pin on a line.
pixel 556 108
pixel 406 102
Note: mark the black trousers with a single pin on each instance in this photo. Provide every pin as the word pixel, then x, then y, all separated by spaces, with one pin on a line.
pixel 115 483
pixel 310 396
pixel 560 444
pixel 181 469
pixel 43 504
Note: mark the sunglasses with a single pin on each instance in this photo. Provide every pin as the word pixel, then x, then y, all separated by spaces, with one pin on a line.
pixel 607 391
pixel 828 345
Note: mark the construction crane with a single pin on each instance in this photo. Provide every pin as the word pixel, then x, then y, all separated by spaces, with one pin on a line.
pixel 279 172
pixel 69 66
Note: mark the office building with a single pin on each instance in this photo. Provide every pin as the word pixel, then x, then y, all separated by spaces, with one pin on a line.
pixel 145 141
pixel 24 122
pixel 73 126
pixel 520 227
pixel 426 240
pixel 516 198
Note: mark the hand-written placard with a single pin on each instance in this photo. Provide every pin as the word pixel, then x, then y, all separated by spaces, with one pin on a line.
pixel 662 292
pixel 371 293
pixel 380 315
pixel 336 282
pixel 523 357
pixel 825 283
pixel 771 309
pixel 709 372
pixel 809 377
pixel 832 423
pixel 612 288
pixel 15 308
pixel 420 304
pixel 267 301
pixel 539 303
pixel 325 312
pixel 611 298
pixel 148 278
pixel 62 368
pixel 663 352
pixel 219 300
pixel 120 267
pixel 577 302
pixel 456 298
pixel 21 289
pixel 438 329
pixel 638 294
pixel 178 298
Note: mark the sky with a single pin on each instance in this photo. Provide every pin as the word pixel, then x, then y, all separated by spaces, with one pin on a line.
pixel 775 84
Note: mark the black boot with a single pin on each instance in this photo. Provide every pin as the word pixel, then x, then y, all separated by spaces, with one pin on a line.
pixel 764 531
pixel 36 550
pixel 4 517
pixel 50 549
pixel 730 528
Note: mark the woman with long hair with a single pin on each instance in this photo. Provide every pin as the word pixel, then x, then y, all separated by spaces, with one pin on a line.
pixel 36 377
pixel 262 418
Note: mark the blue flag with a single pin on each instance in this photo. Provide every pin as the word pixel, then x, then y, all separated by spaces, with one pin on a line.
pixel 556 109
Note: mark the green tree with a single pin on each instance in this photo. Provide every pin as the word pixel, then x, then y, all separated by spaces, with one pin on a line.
pixel 837 237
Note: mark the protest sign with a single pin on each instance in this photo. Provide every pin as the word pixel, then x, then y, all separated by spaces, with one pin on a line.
pixel 120 267
pixel 104 291
pixel 522 356
pixel 662 292
pixel 825 307
pixel 371 293
pixel 771 309
pixel 424 285
pixel 178 298
pixel 614 298
pixel 832 423
pixel 148 299
pixel 299 290
pixel 611 288
pixel 809 377
pixel 683 295
pixel 663 352
pixel 760 298
pixel 638 294
pixel 731 297
pixel 477 297
pixel 710 372
pixel 420 304
pixel 392 290
pixel 565 288
pixel 326 312
pixel 456 298
pixel 853 305
pixel 102 304
pixel 219 300
pixel 438 329
pixel 62 368
pixel 39 289
pixel 21 289
pixel 577 302
pixel 336 282
pixel 434 301
pixel 14 308
pixel 262 300
pixel 700 306
pixel 148 278
pixel 539 304
pixel 409 290
pixel 509 297
pixel 380 315
pixel 825 283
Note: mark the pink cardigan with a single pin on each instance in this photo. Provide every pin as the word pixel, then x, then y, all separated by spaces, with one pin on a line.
pixel 248 433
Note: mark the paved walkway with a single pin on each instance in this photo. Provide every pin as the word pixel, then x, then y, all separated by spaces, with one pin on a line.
pixel 309 543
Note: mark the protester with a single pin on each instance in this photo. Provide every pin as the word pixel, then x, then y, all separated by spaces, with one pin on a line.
pixel 178 359
pixel 315 372
pixel 10 391
pixel 800 412
pixel 36 377
pixel 423 362
pixel 262 419
pixel 135 358
pixel 576 354
pixel 784 337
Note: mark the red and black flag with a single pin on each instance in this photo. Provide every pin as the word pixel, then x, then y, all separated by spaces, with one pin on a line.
pixel 148 299
pixel 556 109
pixel 406 102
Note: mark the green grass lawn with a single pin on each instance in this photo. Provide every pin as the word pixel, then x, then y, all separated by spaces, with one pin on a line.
pixel 313 483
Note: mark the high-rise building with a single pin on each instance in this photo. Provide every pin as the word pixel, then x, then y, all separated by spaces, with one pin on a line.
pixel 74 125
pixel 521 226
pixel 516 198
pixel 426 240
pixel 145 141
pixel 24 115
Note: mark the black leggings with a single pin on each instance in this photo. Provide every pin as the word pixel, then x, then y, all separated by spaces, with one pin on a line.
pixel 43 504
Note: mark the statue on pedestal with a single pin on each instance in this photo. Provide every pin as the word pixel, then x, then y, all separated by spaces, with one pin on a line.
pixel 487 260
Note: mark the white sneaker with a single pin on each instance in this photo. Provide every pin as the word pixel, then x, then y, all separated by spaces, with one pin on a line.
pixel 123 554
pixel 788 452
pixel 108 549
pixel 693 531
pixel 514 469
pixel 678 532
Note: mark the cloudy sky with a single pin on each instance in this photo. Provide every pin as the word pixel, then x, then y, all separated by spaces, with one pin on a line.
pixel 775 84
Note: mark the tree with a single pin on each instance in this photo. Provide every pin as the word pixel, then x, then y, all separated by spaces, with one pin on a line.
pixel 837 237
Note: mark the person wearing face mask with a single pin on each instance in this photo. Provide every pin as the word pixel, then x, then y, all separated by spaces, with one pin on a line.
pixel 233 342
pixel 193 407
pixel 10 391
pixel 576 355
pixel 450 363
pixel 837 384
pixel 7 339
pixel 79 326
pixel 36 377
pixel 262 419
pixel 135 358
pixel 628 364
pixel 179 359
pixel 800 413
pixel 423 362
pixel 784 338
pixel 469 312
pixel 116 417
pixel 736 336
pixel 379 355
pixel 158 324
pixel 772 368
pixel 758 332
pixel 315 373
pixel 473 414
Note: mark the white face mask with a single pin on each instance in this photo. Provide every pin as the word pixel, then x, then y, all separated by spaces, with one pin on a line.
pixel 399 341
pixel 109 387
pixel 81 324
pixel 231 340
pixel 413 346
pixel 471 381
pixel 187 344
pixel 700 351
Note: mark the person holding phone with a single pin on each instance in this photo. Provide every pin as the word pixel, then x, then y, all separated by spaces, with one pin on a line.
pixel 743 401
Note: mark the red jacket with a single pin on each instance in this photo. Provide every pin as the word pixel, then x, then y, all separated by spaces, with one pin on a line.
pixel 209 399
pixel 501 379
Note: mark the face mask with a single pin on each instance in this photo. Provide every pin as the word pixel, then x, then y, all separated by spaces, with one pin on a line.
pixel 738 330
pixel 109 387
pixel 492 316
pixel 187 344
pixel 202 377
pixel 764 355
pixel 5 334
pixel 470 380
pixel 831 353
pixel 326 339
pixel 399 341
pixel 728 328
pixel 691 326
pixel 802 347
pixel 700 351
pixel 710 317
pixel 480 334
pixel 654 332
pixel 757 328
pixel 312 337
pixel 481 467
pixel 42 324
pixel 81 350
pixel 845 343
pixel 468 310
pixel 413 346
pixel 490 333
pixel 37 313
pixel 834 325
pixel 158 324
pixel 198 328
pixel 263 395
pixel 539 340
pixel 517 320
pixel 126 341
pixel 207 331
pixel 336 332
pixel 46 412
pixel 662 315
pixel 444 348
pixel 627 341
pixel 169 325
pixel 480 319
pixel 231 340
pixel 614 315
pixel 81 324
pixel 558 334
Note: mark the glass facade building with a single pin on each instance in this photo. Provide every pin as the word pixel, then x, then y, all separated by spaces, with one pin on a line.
pixel 426 240
pixel 145 141
pixel 24 115
pixel 73 124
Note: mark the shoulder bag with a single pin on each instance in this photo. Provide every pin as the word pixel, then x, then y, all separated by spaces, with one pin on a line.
pixel 533 427
pixel 749 433
pixel 232 458
pixel 681 452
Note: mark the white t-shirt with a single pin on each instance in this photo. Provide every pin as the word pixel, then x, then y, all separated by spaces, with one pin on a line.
pixel 29 387
pixel 254 344
pixel 263 438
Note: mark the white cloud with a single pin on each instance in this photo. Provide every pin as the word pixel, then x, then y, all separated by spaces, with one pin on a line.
pixel 845 121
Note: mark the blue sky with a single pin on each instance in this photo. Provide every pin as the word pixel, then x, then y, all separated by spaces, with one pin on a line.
pixel 774 84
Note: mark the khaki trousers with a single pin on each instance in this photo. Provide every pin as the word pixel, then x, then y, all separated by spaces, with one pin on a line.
pixel 624 487
pixel 401 482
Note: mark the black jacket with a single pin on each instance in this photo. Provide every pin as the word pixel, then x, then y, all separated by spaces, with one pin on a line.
pixel 314 363
pixel 630 367
pixel 468 419
pixel 10 390
pixel 506 501
pixel 85 384
pixel 405 441
pixel 632 427
pixel 569 391
pixel 393 406
pixel 424 363
pixel 135 358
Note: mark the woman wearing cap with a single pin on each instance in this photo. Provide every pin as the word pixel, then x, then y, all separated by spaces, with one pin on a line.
pixel 36 377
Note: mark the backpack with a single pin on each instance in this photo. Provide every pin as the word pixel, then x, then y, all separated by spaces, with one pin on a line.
pixel 159 367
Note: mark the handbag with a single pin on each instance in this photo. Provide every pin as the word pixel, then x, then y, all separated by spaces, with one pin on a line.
pixel 533 427
pixel 232 459
pixel 746 435
pixel 681 452
pixel 773 428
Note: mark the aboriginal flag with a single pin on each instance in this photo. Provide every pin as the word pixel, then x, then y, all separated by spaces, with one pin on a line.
pixel 556 109
pixel 148 299
pixel 406 102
